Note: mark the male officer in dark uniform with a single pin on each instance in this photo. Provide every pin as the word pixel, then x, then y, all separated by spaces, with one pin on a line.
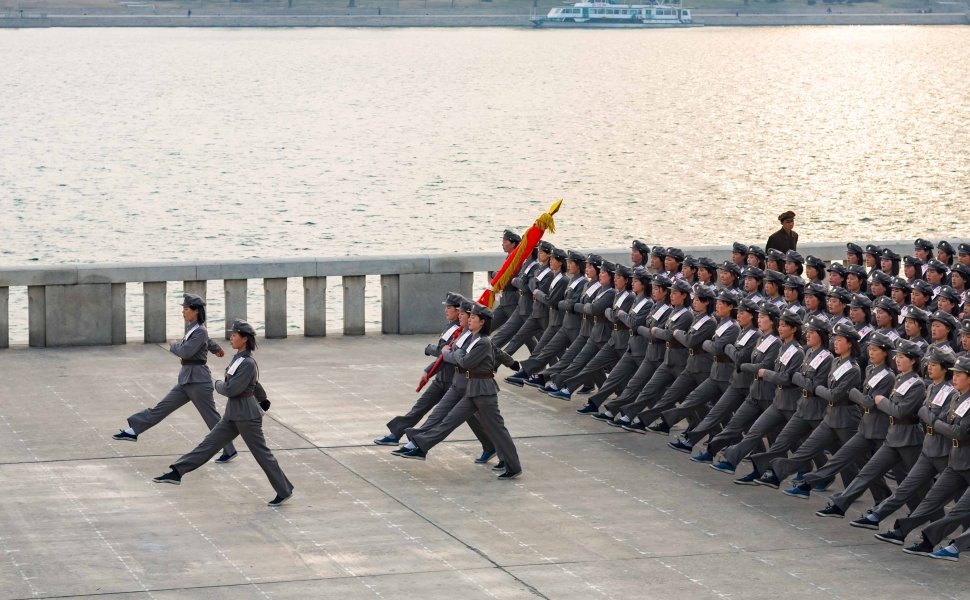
pixel 786 238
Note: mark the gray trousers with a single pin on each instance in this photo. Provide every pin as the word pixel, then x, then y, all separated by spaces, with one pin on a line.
pixel 594 371
pixel 652 392
pixel 679 390
pixel 442 409
pixel 949 485
pixel 742 420
pixel 503 334
pixel 501 314
pixel 431 396
pixel 578 343
pixel 550 351
pixel 885 458
pixel 200 394
pixel 768 424
pixel 224 432
pixel 492 423
pixel 913 487
pixel 851 457
pixel 616 381
pixel 960 511
pixel 528 334
pixel 790 437
pixel 633 387
pixel 823 438
pixel 695 405
pixel 725 407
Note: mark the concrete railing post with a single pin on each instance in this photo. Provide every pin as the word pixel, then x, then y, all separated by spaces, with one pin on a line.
pixel 275 289
pixel 354 303
pixel 314 306
pixel 4 317
pixel 119 320
pixel 37 316
pixel 236 305
pixel 390 304
pixel 466 281
pixel 154 293
pixel 198 288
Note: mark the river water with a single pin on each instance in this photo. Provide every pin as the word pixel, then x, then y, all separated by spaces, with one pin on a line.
pixel 164 144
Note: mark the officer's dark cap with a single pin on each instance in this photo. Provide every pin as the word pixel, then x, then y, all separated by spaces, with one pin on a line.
pixel 857 270
pixel 816 289
pixel 466 306
pixel 757 251
pixel 847 331
pixel 794 282
pixel 545 246
pixel 963 270
pixel 731 267
pixel 877 276
pixel 786 216
pixel 609 267
pixel 945 318
pixel 769 308
pixel 963 248
pixel 243 328
pixel 703 292
pixel 511 236
pixel 912 261
pixel 854 248
pixel 482 311
pixel 815 262
pixel 659 251
pixel 965 327
pixel 662 280
pixel 577 257
pixel 888 253
pixel 886 303
pixel 739 248
pixel 962 365
pixel 559 254
pixel 676 253
pixel 922 244
pixel 881 340
pixel 841 294
pixel 623 271
pixel 640 272
pixel 640 247
pixel 793 316
pixel 749 305
pixel 873 249
pixel 729 296
pixel 949 293
pixel 775 255
pixel 707 263
pixel 922 286
pixel 754 272
pixel 900 284
pixel 838 268
pixel 192 301
pixel 772 275
pixel 594 259
pixel 945 357
pixel 689 261
pixel 946 247
pixel 860 301
pixel 917 314
pixel 817 323
pixel 908 348
pixel 453 299
pixel 795 257
pixel 936 265
pixel 681 286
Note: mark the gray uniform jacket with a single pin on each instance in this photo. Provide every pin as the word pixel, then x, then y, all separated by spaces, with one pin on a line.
pixel 813 373
pixel 957 427
pixel 879 381
pixel 739 353
pixel 901 406
pixel 656 347
pixel 547 300
pixel 725 334
pixel 596 310
pixel 571 320
pixel 788 362
pixel 195 346
pixel 939 400
pixel 620 336
pixel 540 284
pixel 763 356
pixel 239 386
pixel 592 289
pixel 701 330
pixel 679 319
pixel 458 381
pixel 844 376
pixel 442 375
pixel 637 316
pixel 480 359
pixel 521 283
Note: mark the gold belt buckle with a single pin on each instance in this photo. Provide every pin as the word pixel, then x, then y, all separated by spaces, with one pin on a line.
pixel 831 403
pixel 804 393
pixel 866 411
pixel 956 443
pixel 616 327
pixel 929 430
pixel 690 352
pixel 667 344
pixel 892 420
pixel 779 386
pixel 468 374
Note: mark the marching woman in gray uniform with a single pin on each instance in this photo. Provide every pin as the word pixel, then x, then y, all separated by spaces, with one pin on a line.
pixel 479 361
pixel 904 438
pixel 508 300
pixel 194 379
pixel 872 427
pixel 244 416
pixel 935 453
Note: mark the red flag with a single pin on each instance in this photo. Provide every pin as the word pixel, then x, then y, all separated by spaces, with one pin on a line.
pixel 507 271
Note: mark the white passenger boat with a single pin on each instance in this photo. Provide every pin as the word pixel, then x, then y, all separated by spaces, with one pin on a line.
pixel 654 14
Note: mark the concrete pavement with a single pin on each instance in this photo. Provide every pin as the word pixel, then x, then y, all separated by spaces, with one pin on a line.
pixel 598 513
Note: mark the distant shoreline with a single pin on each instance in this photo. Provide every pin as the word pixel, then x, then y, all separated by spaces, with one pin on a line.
pixel 36 19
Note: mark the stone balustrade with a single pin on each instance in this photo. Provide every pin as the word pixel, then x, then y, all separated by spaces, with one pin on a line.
pixel 84 304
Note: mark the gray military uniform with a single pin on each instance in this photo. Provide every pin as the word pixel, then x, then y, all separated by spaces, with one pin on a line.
pixel 194 384
pixel 636 348
pixel 243 418
pixel 563 328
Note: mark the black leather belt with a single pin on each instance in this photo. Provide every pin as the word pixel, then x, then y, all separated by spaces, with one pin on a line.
pixel 192 362
pixel 479 374
pixel 692 352
pixel 907 420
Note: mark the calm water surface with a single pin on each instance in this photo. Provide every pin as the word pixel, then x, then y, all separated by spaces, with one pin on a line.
pixel 162 144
